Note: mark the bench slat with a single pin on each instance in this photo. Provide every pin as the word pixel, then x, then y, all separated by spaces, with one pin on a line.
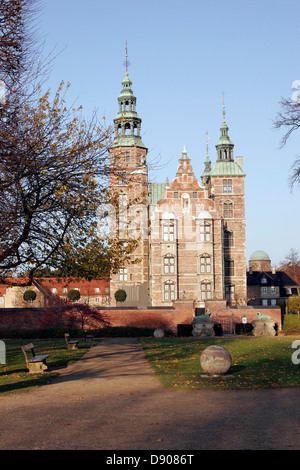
pixel 38 358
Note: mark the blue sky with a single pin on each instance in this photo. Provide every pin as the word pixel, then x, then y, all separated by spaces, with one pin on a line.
pixel 183 54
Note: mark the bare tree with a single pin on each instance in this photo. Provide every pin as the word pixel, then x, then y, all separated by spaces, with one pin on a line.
pixel 291 265
pixel 289 119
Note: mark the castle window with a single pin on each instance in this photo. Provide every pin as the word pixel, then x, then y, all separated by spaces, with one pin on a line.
pixel 227 186
pixel 206 292
pixel 229 267
pixel 264 290
pixel 123 274
pixel 273 290
pixel 229 292
pixel 228 239
pixel 169 265
pixel 168 232
pixel 169 291
pixel 122 179
pixel 176 195
pixel 194 194
pixel 205 232
pixel 127 156
pixel 205 264
pixel 228 210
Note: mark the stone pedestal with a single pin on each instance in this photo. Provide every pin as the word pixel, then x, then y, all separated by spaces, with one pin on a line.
pixel 263 328
pixel 203 327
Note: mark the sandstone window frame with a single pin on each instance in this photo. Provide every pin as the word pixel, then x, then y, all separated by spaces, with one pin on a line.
pixel 230 292
pixel 123 274
pixel 168 231
pixel 169 264
pixel 228 210
pixel 169 291
pixel 205 263
pixel 206 290
pixel 227 186
pixel 205 231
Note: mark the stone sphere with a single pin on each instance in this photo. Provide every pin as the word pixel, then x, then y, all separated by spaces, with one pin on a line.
pixel 215 360
pixel 158 333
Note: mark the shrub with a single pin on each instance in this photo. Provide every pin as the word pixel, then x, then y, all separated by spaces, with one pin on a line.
pixel 29 295
pixel 74 294
pixel 120 295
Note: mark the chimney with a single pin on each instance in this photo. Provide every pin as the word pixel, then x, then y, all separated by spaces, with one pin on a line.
pixel 273 270
pixel 239 161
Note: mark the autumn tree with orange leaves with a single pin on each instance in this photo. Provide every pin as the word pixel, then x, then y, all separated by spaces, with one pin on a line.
pixel 53 167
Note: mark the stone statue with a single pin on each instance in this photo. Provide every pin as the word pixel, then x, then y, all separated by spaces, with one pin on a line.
pixel 262 316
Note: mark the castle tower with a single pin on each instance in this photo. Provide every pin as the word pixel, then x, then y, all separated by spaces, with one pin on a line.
pixel 225 183
pixel 129 184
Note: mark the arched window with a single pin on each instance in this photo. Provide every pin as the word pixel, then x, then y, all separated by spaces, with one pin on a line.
pixel 169 264
pixel 169 290
pixel 205 264
pixel 185 202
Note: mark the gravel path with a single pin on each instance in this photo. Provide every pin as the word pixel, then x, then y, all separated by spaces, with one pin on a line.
pixel 111 400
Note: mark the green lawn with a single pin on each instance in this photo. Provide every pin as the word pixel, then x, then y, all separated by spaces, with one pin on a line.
pixel 257 363
pixel 291 324
pixel 14 376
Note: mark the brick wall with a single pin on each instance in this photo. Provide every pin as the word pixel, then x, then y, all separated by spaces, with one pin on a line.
pixel 155 317
pixel 166 318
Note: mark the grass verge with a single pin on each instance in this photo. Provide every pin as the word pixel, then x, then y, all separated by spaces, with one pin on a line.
pixel 14 376
pixel 257 363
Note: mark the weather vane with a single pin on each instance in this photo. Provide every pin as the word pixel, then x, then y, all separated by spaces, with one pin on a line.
pixel 126 62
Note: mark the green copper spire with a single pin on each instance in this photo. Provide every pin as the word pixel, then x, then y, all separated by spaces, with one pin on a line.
pixel 127 122
pixel 225 164
pixel 224 146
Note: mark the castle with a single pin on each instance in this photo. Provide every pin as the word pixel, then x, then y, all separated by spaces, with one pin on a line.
pixel 191 231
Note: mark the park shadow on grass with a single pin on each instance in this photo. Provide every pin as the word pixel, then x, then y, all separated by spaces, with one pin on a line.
pixel 28 384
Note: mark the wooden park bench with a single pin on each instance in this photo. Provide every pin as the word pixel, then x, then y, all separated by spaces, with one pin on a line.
pixel 35 364
pixel 87 337
pixel 71 344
